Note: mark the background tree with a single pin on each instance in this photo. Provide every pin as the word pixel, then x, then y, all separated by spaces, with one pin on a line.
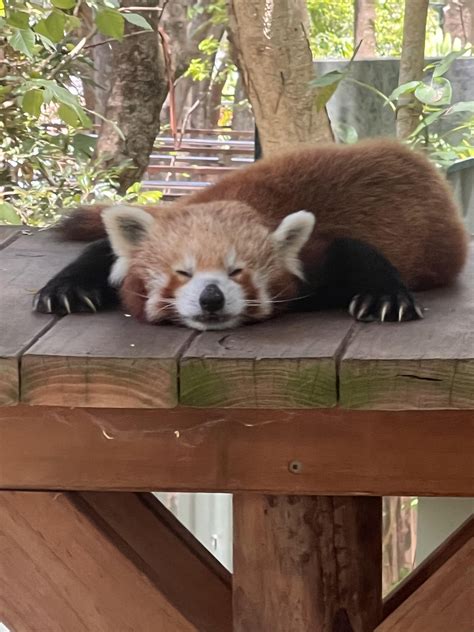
pixel 412 61
pixel 364 27
pixel 138 91
pixel 271 45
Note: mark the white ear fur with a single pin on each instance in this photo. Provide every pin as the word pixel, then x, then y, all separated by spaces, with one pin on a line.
pixel 126 226
pixel 290 237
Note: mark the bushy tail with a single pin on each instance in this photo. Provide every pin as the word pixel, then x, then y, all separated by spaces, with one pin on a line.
pixel 83 224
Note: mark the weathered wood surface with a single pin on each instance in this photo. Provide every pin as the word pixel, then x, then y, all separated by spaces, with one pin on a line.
pixel 424 364
pixel 63 568
pixel 107 360
pixel 432 564
pixel 26 263
pixel 307 563
pixel 296 361
pixel 301 452
pixel 286 363
pixel 443 602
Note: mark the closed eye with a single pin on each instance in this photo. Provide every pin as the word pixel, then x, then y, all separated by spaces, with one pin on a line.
pixel 235 272
pixel 184 273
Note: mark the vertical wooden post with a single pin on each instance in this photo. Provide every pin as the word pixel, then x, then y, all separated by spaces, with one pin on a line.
pixel 307 563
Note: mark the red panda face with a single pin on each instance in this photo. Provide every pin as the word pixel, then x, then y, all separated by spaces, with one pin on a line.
pixel 206 266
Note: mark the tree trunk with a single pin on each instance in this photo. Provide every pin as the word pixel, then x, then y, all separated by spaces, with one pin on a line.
pixel 242 117
pixel 364 27
pixel 270 39
pixel 134 104
pixel 412 61
pixel 458 17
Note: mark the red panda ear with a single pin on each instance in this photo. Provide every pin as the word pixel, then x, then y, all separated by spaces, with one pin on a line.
pixel 126 227
pixel 290 237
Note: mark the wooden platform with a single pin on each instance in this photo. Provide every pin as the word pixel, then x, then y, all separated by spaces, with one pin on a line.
pixel 308 419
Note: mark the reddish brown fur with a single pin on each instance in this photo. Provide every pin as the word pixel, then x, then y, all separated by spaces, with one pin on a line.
pixel 377 191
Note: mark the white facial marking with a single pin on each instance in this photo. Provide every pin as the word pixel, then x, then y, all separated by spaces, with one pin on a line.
pixel 155 305
pixel 189 309
pixel 265 306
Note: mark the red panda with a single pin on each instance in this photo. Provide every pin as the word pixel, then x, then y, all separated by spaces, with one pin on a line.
pixel 358 226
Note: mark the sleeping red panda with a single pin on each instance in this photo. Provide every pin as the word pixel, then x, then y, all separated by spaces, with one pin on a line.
pixel 358 226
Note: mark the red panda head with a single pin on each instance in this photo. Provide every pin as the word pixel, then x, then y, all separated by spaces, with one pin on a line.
pixel 206 266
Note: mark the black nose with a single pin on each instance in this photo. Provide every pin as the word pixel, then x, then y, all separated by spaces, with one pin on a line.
pixel 211 299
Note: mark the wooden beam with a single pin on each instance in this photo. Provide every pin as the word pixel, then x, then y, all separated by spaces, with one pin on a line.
pixel 419 365
pixel 61 569
pixel 307 563
pixel 286 363
pixel 181 568
pixel 428 567
pixel 303 452
pixel 443 602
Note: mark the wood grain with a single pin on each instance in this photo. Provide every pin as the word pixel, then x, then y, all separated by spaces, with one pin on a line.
pixel 104 360
pixel 333 451
pixel 180 567
pixel 60 571
pixel 8 234
pixel 429 566
pixel 307 563
pixel 418 365
pixel 443 602
pixel 25 265
pixel 286 363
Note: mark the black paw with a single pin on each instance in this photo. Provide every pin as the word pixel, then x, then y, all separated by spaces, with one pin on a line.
pixel 399 307
pixel 61 296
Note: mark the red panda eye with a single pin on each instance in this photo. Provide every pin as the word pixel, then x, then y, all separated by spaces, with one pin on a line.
pixel 184 273
pixel 235 272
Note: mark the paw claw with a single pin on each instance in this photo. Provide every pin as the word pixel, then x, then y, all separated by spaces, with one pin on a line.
pixel 65 302
pixel 353 304
pixel 401 312
pixel 419 312
pixel 384 310
pixel 89 302
pixel 49 305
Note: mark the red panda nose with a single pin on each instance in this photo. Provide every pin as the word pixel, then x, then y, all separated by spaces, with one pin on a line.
pixel 211 299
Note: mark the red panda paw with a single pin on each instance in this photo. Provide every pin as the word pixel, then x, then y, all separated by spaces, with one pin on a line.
pixel 399 307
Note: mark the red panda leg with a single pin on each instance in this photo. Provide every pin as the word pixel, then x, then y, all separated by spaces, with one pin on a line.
pixel 356 276
pixel 83 285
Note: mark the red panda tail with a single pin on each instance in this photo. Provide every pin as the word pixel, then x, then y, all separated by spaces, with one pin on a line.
pixel 83 224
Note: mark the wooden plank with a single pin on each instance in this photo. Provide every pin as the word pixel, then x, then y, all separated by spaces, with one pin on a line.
pixel 307 563
pixel 418 365
pixel 8 234
pixel 195 170
pixel 429 566
pixel 443 602
pixel 302 452
pixel 25 265
pixel 104 360
pixel 286 363
pixel 180 567
pixel 60 571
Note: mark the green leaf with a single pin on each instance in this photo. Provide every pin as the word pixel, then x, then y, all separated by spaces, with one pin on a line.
pixel 18 19
pixel 404 88
pixel 462 106
pixel 329 79
pixel 444 65
pixel 55 26
pixel 32 102
pixel 64 4
pixel 427 120
pixel 47 43
pixel 72 22
pixel 68 115
pixel 84 145
pixel 137 20
pixel 346 133
pixel 439 92
pixel 23 41
pixel 8 215
pixel 111 23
